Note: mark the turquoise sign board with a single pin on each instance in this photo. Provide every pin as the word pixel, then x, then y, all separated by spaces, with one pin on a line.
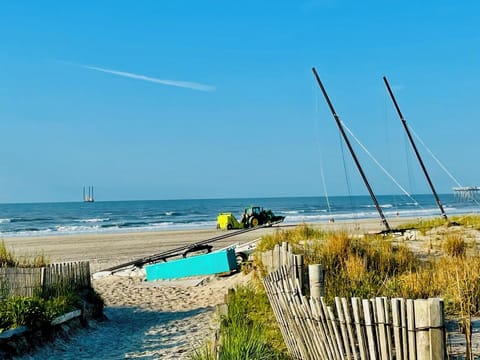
pixel 206 264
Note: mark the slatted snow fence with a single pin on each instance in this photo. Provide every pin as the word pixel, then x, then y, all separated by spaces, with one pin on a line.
pixel 53 278
pixel 364 329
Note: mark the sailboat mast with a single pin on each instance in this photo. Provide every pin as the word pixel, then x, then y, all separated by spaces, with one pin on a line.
pixel 354 156
pixel 422 165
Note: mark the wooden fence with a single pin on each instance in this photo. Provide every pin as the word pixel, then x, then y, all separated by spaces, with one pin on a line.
pixel 53 278
pixel 368 329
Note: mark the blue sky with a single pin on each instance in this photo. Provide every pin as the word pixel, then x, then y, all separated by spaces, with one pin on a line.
pixel 83 99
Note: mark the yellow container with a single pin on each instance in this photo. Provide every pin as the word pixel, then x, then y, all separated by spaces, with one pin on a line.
pixel 227 221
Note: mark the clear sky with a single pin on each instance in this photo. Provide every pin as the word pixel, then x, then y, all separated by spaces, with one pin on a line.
pixel 214 99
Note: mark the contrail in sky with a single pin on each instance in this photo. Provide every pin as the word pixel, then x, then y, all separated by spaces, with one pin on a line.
pixel 184 84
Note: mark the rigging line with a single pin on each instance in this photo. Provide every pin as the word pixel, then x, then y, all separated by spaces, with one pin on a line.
pixel 411 177
pixel 322 174
pixel 434 157
pixel 440 163
pixel 378 164
pixel 387 145
pixel 345 172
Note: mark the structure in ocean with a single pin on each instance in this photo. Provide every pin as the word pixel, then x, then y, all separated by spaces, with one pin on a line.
pixel 88 195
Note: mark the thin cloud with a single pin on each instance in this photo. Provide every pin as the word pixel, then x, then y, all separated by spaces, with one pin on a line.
pixel 183 84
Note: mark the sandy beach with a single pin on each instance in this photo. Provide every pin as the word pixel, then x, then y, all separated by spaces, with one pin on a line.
pixel 152 320
pixel 104 250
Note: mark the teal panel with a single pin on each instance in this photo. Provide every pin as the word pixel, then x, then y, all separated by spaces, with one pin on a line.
pixel 207 264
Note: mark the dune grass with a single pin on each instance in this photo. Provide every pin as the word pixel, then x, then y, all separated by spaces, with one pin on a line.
pixel 377 265
pixel 9 259
pixel 248 331
pixel 361 266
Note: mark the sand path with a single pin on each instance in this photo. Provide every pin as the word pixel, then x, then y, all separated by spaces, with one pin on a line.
pixel 147 320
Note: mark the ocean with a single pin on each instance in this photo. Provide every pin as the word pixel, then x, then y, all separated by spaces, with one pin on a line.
pixel 46 219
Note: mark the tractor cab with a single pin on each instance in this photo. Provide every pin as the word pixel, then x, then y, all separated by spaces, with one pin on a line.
pixel 253 210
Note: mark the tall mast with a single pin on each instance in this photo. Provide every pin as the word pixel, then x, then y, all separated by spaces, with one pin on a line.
pixel 404 123
pixel 355 159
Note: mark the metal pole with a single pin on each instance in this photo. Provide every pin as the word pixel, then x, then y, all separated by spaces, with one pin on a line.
pixel 344 135
pixel 439 203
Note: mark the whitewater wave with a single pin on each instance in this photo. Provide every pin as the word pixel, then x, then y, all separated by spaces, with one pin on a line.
pixel 71 229
pixel 93 220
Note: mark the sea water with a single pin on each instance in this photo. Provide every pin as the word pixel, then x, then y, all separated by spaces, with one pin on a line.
pixel 45 219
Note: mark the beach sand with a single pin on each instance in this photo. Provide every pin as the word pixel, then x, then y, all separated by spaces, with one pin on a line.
pixel 147 320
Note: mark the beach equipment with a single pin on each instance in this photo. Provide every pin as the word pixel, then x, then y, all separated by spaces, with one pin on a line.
pixel 422 165
pixel 222 261
pixel 180 251
pixel 252 216
pixel 350 148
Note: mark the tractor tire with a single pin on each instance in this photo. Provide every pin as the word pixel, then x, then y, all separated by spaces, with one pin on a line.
pixel 240 258
pixel 229 227
pixel 254 221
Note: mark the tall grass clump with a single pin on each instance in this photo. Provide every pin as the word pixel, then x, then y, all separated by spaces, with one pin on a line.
pixel 300 233
pixel 360 266
pixel 7 258
pixel 454 244
pixel 248 331
pixel 460 277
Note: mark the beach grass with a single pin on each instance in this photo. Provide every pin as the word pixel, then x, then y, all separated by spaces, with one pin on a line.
pixel 248 330
pixel 378 265
pixel 9 259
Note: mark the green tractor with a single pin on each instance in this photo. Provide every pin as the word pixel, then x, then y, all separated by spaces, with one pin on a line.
pixel 251 217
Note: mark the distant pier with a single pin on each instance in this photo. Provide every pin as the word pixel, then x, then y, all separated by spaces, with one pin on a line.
pixel 467 192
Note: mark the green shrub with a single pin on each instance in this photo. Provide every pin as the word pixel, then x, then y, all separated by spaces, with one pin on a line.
pixel 28 311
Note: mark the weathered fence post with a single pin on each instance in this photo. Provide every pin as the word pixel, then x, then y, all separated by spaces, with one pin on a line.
pixel 42 279
pixel 276 257
pixel 437 336
pixel 316 281
pixel 283 254
pixel 298 270
pixel 412 345
pixel 422 329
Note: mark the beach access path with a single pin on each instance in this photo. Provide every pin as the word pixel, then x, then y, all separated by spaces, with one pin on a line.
pixel 145 320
